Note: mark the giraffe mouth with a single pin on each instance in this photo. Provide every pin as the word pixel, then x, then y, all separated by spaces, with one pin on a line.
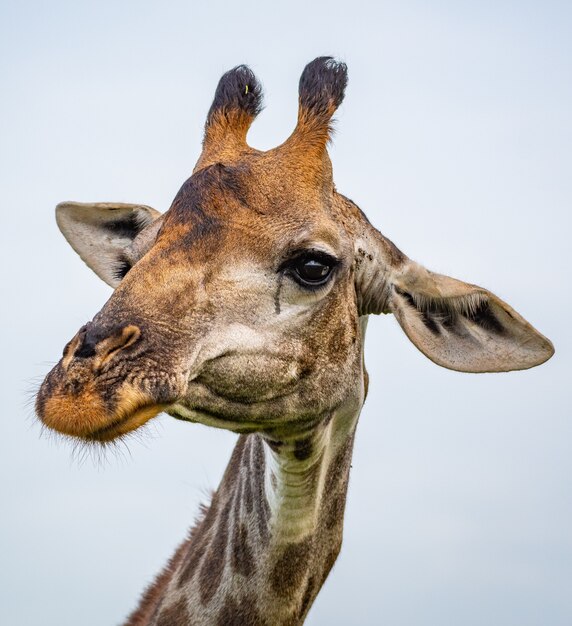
pixel 90 424
pixel 126 424
pixel 83 410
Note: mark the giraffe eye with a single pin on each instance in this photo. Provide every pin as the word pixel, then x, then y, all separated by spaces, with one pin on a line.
pixel 312 269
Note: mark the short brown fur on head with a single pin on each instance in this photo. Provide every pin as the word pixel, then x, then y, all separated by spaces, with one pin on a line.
pixel 249 294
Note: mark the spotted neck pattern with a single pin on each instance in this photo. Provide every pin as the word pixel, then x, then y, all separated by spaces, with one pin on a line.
pixel 263 549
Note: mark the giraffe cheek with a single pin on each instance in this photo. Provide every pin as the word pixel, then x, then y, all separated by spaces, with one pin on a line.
pixel 250 378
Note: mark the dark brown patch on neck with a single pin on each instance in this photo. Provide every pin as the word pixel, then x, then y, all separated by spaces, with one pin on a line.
pixel 336 485
pixel 242 561
pixel 199 541
pixel 329 563
pixel 290 569
pixel 309 595
pixel 248 496
pixel 175 615
pixel 303 448
pixel 212 567
pixel 243 613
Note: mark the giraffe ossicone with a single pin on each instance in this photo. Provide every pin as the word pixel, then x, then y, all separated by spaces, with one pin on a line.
pixel 244 307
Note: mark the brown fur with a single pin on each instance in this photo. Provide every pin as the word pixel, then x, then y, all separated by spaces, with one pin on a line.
pixel 244 613
pixel 290 569
pixel 220 315
pixel 175 615
pixel 154 593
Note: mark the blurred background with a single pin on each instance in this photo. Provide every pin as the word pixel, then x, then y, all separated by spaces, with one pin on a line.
pixel 455 138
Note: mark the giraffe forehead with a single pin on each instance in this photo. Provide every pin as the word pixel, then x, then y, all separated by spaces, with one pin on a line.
pixel 254 186
pixel 211 225
pixel 266 242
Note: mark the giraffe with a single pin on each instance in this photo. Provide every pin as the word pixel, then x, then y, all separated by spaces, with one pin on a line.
pixel 244 307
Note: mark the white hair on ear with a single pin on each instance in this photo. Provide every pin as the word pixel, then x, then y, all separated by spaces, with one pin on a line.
pixel 468 304
pixel 102 233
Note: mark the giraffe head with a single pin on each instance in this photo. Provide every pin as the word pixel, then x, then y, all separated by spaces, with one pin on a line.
pixel 243 306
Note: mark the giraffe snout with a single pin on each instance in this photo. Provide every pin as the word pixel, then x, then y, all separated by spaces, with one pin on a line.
pixel 81 398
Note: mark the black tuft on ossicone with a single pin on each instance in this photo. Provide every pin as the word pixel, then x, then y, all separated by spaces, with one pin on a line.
pixel 323 84
pixel 237 89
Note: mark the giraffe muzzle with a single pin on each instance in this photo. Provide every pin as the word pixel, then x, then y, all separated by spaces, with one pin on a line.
pixel 90 394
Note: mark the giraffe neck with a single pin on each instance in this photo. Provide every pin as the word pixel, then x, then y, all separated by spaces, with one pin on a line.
pixel 266 544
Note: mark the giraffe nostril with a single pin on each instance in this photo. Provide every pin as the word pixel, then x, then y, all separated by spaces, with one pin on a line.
pixel 118 341
pixel 93 343
pixel 86 349
pixel 129 335
pixel 84 343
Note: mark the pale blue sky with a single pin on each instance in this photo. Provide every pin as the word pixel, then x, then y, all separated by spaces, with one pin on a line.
pixel 455 139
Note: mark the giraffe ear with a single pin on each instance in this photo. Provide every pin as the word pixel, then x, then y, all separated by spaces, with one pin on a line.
pixel 461 326
pixel 103 233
